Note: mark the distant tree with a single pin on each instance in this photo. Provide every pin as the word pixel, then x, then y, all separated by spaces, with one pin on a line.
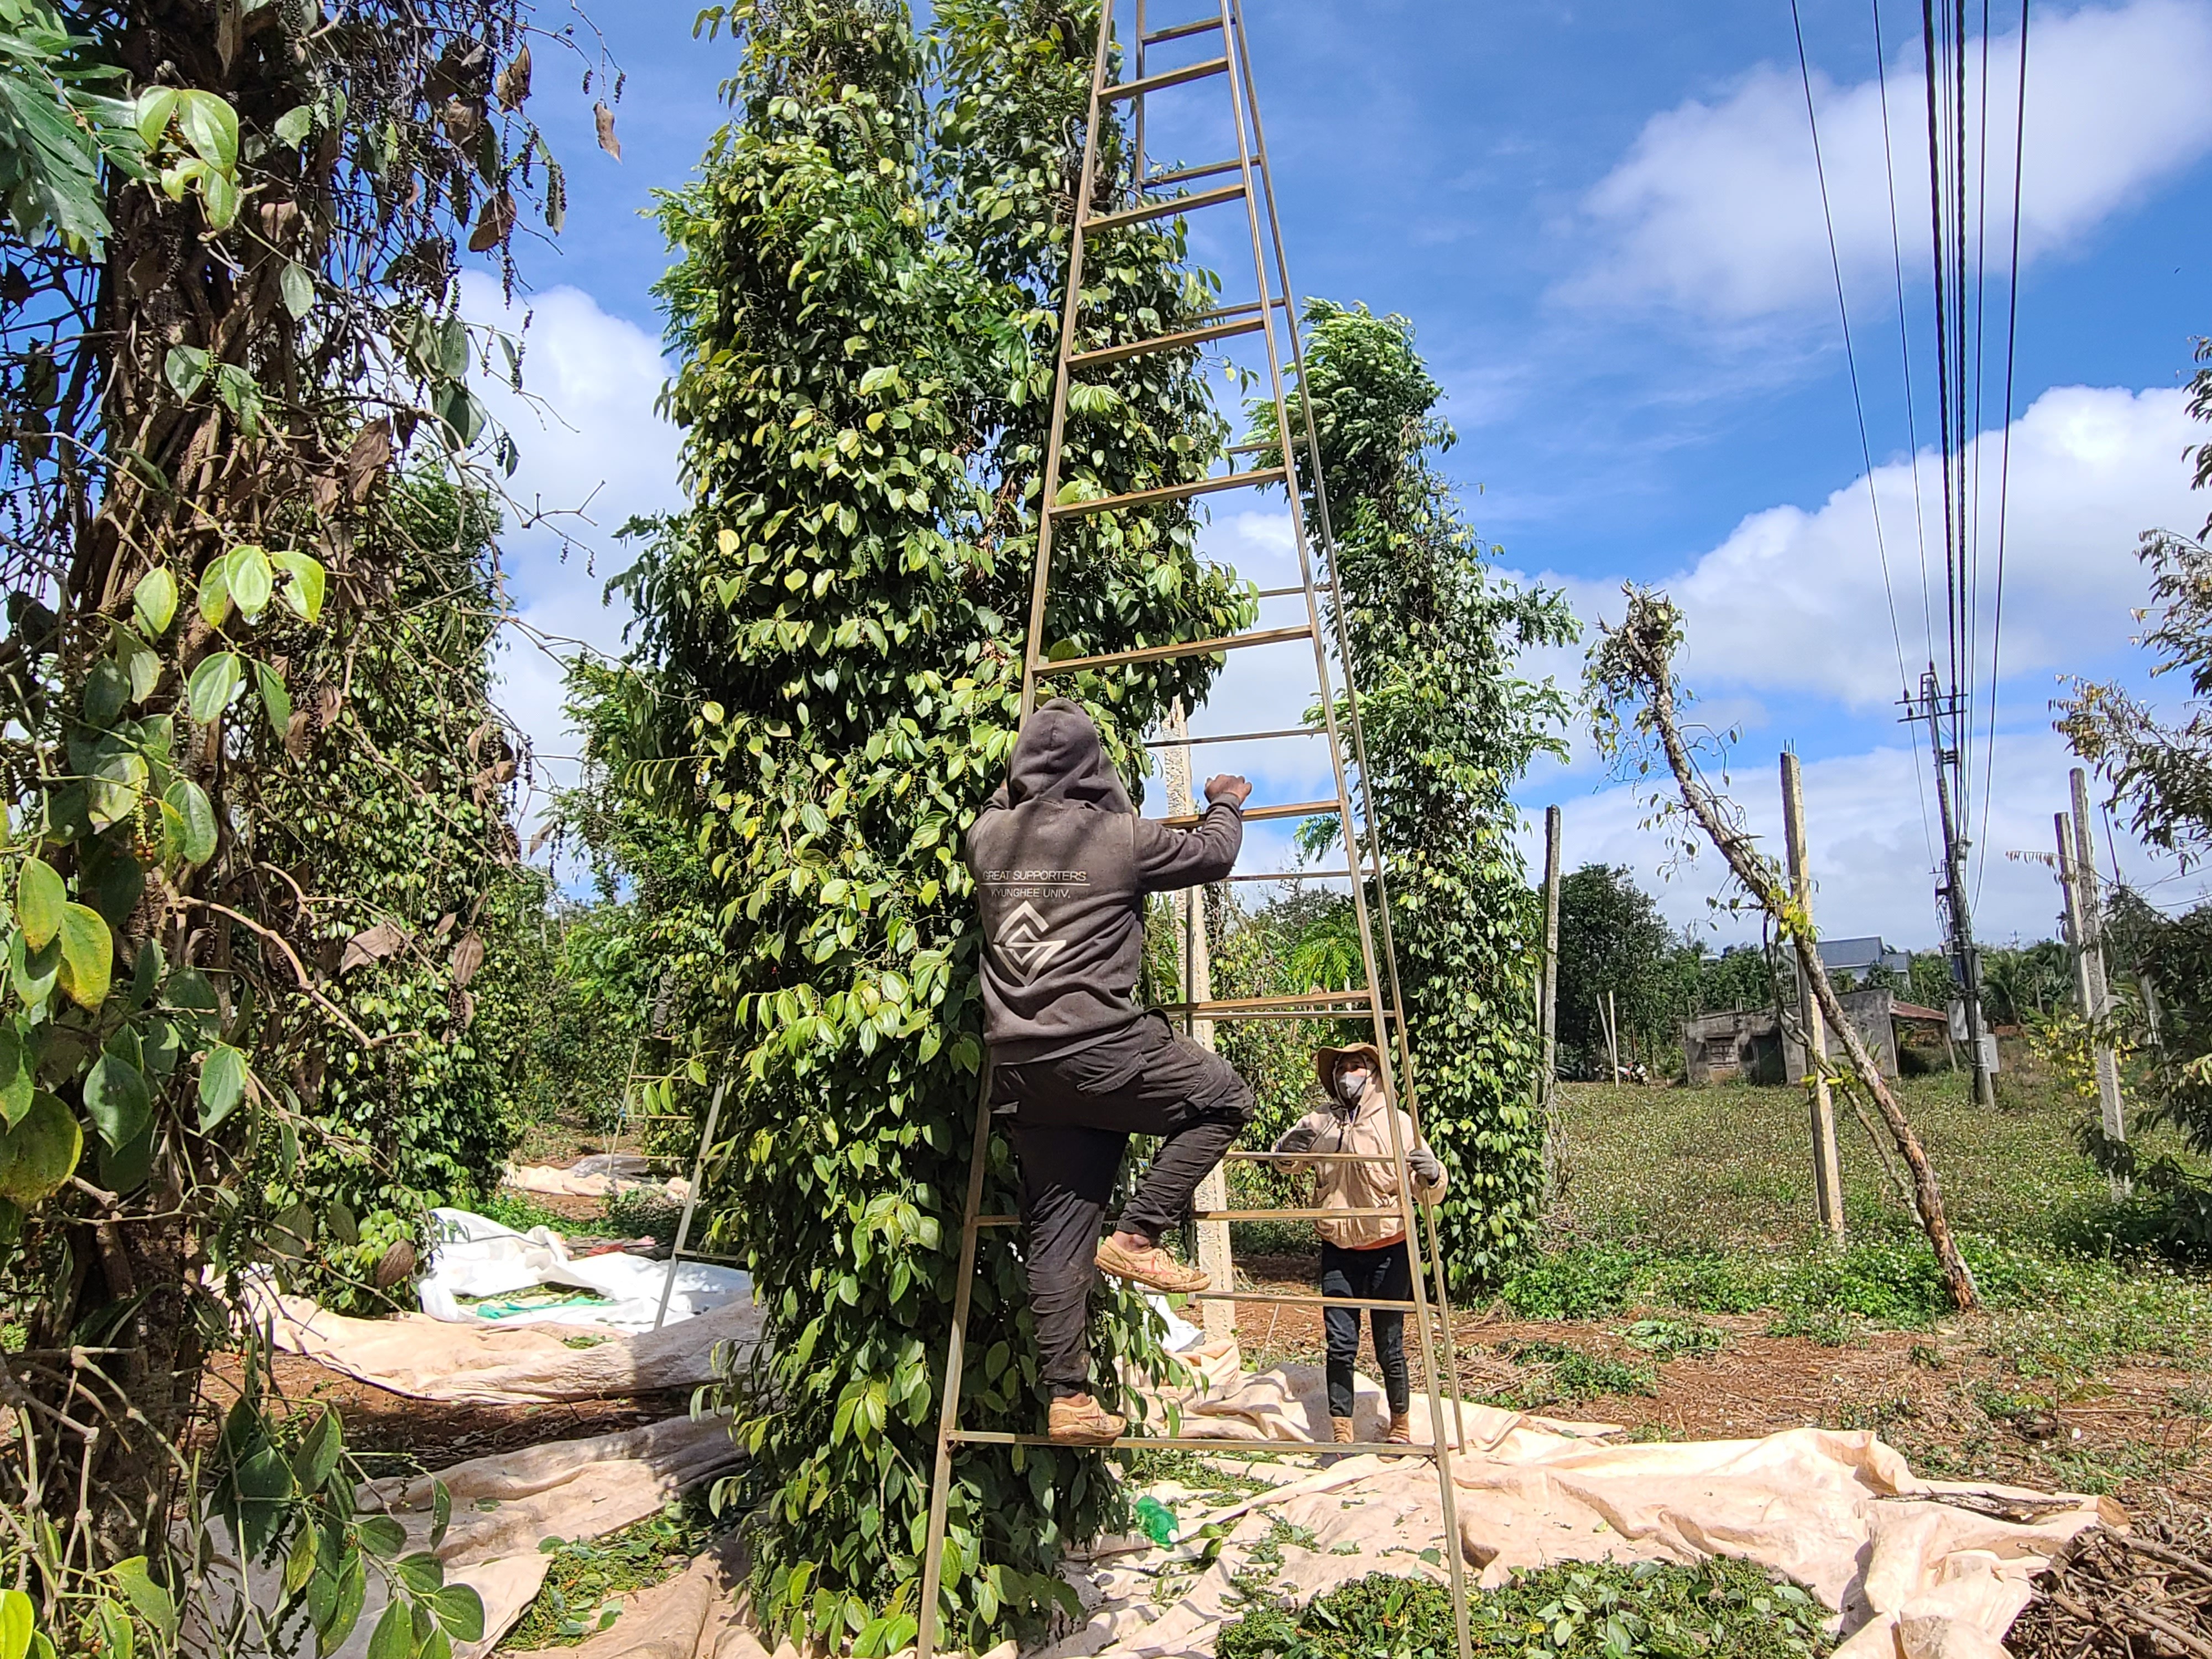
pixel 2024 984
pixel 1612 938
pixel 1929 983
pixel 2159 776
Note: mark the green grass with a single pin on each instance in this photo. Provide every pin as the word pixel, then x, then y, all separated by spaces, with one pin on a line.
pixel 1689 1199
pixel 1719 1610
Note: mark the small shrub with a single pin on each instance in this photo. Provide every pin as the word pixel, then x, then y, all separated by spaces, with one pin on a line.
pixel 643 1213
pixel 1717 1609
pixel 1709 1282
pixel 1586 1282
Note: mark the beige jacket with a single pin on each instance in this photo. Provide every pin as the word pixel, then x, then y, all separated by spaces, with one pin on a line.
pixel 1365 1129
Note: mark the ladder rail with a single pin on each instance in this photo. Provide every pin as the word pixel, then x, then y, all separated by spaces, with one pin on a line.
pixel 1242 102
pixel 676 1255
pixel 1418 1218
pixel 1239 42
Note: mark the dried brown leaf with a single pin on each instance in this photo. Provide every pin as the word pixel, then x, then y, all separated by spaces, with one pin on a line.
pixel 468 956
pixel 372 944
pixel 515 80
pixel 605 119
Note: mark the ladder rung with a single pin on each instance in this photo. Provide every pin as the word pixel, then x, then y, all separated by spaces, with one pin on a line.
pixel 1174 204
pixel 1236 1155
pixel 1191 175
pixel 1128 349
pixel 1287 1300
pixel 1186 648
pixel 1294 875
pixel 1281 593
pixel 1238 311
pixel 1181 31
pixel 1291 1013
pixel 1307 1000
pixel 1305 808
pixel 1239 736
pixel 1171 492
pixel 1200 1443
pixel 1298 1215
pixel 701 1256
pixel 1174 77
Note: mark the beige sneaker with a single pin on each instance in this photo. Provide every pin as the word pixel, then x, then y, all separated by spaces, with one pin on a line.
pixel 1153 1266
pixel 1402 1430
pixel 1341 1428
pixel 1078 1419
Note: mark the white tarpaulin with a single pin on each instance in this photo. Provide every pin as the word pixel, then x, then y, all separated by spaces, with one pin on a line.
pixel 475 1262
pixel 598 1344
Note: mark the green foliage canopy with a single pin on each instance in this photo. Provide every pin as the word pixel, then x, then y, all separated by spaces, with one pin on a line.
pixel 824 692
pixel 1432 633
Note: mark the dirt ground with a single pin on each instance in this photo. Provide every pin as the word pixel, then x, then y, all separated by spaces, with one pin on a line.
pixel 2139 1432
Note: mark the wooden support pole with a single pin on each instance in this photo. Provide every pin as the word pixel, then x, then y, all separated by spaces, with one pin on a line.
pixel 2087 907
pixel 1827 1171
pixel 1547 1007
pixel 1197 964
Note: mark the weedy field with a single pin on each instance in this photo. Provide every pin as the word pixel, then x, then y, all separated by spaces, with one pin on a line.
pixel 1685 1292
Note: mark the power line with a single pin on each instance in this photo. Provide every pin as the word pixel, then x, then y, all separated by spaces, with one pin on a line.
pixel 2004 454
pixel 1911 420
pixel 1851 354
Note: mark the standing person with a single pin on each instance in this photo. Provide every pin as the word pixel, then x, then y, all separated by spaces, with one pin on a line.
pixel 1362 1256
pixel 1062 863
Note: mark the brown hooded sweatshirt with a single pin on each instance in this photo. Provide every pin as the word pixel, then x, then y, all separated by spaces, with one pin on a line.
pixel 1062 862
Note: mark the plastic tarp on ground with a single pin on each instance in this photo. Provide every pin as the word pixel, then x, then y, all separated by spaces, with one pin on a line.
pixel 477 1257
pixel 1915 1569
pixel 503 1508
pixel 582 1350
pixel 601 1175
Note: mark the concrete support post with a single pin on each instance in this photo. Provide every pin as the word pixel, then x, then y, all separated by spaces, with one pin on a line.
pixel 1197 974
pixel 1828 1172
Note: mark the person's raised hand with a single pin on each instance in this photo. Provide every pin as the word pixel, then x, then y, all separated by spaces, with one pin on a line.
pixel 1234 790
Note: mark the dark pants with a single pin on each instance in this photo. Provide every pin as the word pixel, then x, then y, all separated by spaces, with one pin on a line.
pixel 1383 1275
pixel 1074 1116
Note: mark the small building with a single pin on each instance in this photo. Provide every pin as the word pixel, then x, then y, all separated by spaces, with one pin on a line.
pixel 1860 957
pixel 1742 1046
pixel 1749 1045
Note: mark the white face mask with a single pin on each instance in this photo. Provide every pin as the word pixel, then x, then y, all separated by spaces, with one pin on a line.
pixel 1351 1084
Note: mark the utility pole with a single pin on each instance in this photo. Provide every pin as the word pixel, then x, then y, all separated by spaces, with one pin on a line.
pixel 1939 707
pixel 2085 912
pixel 1213 1257
pixel 1827 1169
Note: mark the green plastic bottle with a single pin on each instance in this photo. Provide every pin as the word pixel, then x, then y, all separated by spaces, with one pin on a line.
pixel 1157 1519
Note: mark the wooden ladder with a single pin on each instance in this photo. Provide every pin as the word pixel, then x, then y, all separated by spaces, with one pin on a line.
pixel 1223 62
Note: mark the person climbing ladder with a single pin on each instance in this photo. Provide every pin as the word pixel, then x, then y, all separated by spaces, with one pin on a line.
pixel 1363 1256
pixel 1062 863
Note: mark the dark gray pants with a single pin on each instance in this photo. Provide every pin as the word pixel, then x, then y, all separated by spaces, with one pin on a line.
pixel 1073 1115
pixel 1379 1275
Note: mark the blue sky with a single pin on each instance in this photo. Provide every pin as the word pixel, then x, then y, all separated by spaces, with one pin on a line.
pixel 1605 224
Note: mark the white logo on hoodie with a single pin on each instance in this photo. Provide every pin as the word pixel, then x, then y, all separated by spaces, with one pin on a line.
pixel 1023 942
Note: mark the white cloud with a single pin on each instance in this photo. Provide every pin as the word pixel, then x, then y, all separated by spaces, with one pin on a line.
pixel 593 453
pixel 1792 601
pixel 1717 205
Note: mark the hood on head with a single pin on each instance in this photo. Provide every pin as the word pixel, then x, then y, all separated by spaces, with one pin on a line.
pixel 1058 757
